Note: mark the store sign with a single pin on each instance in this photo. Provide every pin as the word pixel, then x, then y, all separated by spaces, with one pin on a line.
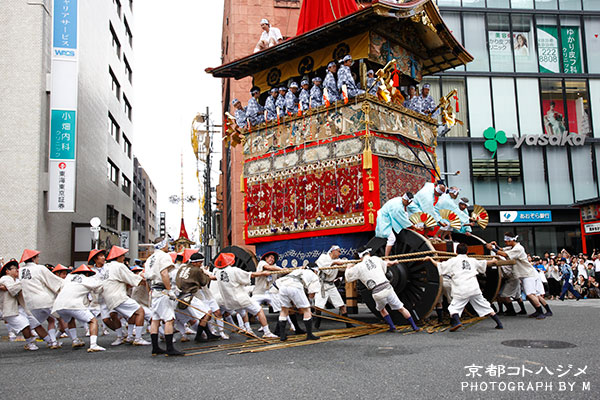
pixel 63 107
pixel 592 228
pixel 525 216
pixel 571 49
pixel 566 139
pixel 547 38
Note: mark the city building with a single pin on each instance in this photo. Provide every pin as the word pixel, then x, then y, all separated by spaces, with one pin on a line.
pixel 536 73
pixel 71 60
pixel 145 219
pixel 241 32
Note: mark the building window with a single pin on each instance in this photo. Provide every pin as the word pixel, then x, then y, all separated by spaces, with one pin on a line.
pixel 595 101
pixel 521 3
pixel 570 4
pixel 534 175
pixel 476 43
pixel 128 71
pixel 530 117
pixel 113 127
pixel 593 5
pixel 128 34
pixel 509 176
pixel 479 99
pixel 572 116
pixel 498 3
pixel 449 3
pixel 524 43
pixel 505 107
pixel 572 55
pixel 116 45
pixel 112 217
pixel 127 107
pixel 545 4
pixel 582 161
pixel 116 88
pixel 126 146
pixel 113 172
pixel 125 223
pixel 452 19
pixel 500 42
pixel 561 190
pixel 126 185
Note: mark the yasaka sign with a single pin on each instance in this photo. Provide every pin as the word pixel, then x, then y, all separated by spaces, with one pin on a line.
pixel 566 139
pixel 495 138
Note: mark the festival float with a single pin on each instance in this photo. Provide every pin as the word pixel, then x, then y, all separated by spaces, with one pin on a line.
pixel 317 179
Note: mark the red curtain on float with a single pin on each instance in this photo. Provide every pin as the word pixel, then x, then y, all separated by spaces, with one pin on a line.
pixel 182 231
pixel 315 13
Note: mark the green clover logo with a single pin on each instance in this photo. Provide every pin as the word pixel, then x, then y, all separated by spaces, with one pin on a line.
pixel 493 139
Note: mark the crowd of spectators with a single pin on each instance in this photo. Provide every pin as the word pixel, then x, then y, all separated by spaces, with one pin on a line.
pixel 569 276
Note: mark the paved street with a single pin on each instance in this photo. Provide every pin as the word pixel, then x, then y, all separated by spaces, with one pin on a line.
pixel 384 365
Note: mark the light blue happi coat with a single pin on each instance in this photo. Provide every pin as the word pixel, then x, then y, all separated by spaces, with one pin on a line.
pixel 464 219
pixel 446 202
pixel 393 217
pixel 424 200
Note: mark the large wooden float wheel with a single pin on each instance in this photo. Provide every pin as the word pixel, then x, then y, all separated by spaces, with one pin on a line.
pixel 418 284
pixel 244 258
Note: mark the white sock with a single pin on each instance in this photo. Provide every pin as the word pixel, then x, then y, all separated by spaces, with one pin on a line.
pixel 52 334
pixel 291 325
pixel 266 330
pixel 138 332
pixel 220 326
pixel 119 332
pixel 247 325
pixel 240 320
pixel 48 339
pixel 73 333
pixel 93 340
pixel 30 339
pixel 229 319
pixel 130 330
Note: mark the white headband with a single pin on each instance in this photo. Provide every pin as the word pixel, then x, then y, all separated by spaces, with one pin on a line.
pixel 264 21
pixel 405 197
pixel 366 251
pixel 162 243
pixel 454 190
pixel 334 247
pixel 511 239
pixel 438 191
pixel 463 202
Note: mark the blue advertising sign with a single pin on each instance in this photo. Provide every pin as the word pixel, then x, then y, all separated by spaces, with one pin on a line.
pixel 62 135
pixel 526 216
pixel 65 24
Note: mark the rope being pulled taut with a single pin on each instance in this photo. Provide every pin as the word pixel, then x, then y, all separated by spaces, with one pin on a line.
pixel 404 258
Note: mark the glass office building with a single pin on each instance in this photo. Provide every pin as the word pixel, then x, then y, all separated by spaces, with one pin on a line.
pixel 535 77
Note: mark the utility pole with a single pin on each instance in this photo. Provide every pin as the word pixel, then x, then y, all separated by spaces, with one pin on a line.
pixel 207 185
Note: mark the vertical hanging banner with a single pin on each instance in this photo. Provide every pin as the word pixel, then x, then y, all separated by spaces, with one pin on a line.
pixel 63 107
pixel 571 49
pixel 547 38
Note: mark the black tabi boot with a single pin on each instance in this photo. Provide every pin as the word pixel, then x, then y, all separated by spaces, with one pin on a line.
pixel 510 310
pixel 523 310
pixel 171 351
pixel 156 350
pixel 455 322
pixel 440 315
pixel 348 324
pixel 282 328
pixel 294 319
pixel 198 338
pixel 309 328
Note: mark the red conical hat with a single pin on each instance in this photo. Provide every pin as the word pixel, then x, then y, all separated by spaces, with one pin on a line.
pixel 94 253
pixel 187 253
pixel 83 269
pixel 224 260
pixel 28 255
pixel 58 268
pixel 115 252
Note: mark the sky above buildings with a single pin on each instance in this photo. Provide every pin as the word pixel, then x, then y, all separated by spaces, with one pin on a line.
pixel 174 42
